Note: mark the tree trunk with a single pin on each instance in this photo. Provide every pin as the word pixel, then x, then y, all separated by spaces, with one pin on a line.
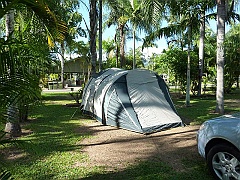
pixel 12 126
pixel 93 33
pixel 62 64
pixel 9 23
pixel 122 44
pixel 117 47
pixel 117 55
pixel 188 69
pixel 221 14
pixel 134 47
pixel 100 35
pixel 23 112
pixel 201 52
pixel 238 82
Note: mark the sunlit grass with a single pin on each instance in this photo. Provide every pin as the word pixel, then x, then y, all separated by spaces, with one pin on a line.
pixel 50 149
pixel 155 169
pixel 202 109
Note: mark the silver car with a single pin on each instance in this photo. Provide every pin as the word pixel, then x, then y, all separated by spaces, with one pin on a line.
pixel 219 143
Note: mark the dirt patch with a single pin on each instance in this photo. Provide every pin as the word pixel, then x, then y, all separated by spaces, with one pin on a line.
pixel 115 148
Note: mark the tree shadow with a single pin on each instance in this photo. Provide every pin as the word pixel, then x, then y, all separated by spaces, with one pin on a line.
pixel 161 162
pixel 155 170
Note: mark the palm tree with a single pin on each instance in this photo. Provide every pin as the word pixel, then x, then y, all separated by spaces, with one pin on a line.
pixel 72 19
pixel 17 83
pixel 221 18
pixel 137 13
pixel 173 6
pixel 93 34
pixel 204 5
pixel 183 18
pixel 222 6
pixel 117 17
pixel 203 8
pixel 136 7
pixel 144 15
pixel 11 73
pixel 12 126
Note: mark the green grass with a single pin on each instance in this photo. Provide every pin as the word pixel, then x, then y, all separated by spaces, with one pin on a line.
pixel 202 109
pixel 148 170
pixel 51 150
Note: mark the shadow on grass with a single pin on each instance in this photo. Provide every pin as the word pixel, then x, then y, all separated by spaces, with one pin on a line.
pixel 53 130
pixel 50 133
pixel 148 170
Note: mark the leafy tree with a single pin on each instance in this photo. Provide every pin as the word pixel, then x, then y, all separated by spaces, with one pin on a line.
pixel 174 62
pixel 209 66
pixel 67 12
pixel 108 46
pixel 183 18
pixel 138 57
pixel 232 61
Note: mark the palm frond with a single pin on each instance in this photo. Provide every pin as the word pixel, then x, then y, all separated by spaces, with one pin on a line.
pixel 5 175
pixel 164 32
pixel 42 10
pixel 7 5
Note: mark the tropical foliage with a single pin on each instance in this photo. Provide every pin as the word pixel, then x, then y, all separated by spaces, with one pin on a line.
pixel 232 61
pixel 24 55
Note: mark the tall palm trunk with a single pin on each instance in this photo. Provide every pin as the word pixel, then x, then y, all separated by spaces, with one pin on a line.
pixel 221 16
pixel 188 69
pixel 12 126
pixel 9 23
pixel 62 49
pixel 122 46
pixel 93 33
pixel 100 35
pixel 116 40
pixel 134 47
pixel 201 52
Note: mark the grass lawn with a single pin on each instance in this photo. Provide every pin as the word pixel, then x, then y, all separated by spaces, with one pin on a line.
pixel 203 108
pixel 49 148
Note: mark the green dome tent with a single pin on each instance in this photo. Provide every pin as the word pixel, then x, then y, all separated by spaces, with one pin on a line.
pixel 137 100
